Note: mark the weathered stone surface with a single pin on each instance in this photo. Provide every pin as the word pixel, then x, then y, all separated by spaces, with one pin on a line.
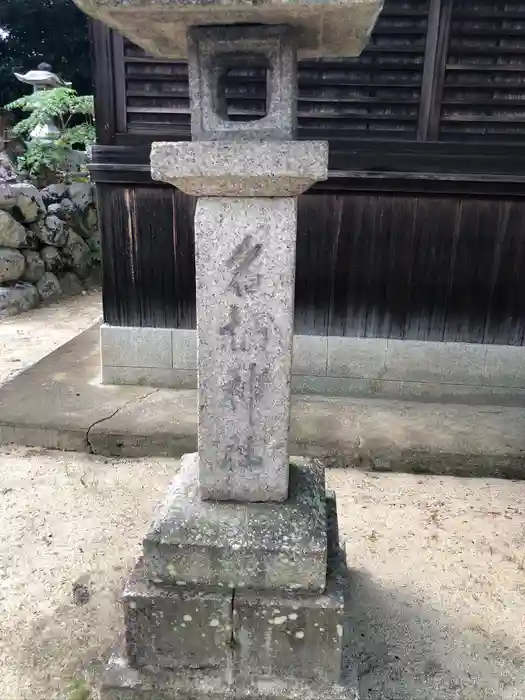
pixel 12 264
pixel 240 169
pixel 327 28
pixel 94 245
pixel 53 260
pixel 29 203
pixel 77 255
pixel 71 284
pixel 176 627
pixel 215 50
pixel 242 546
pixel 48 287
pixel 122 682
pixel 53 193
pixel 51 231
pixel 81 194
pixel 24 199
pixel 65 210
pixel 7 169
pixel 34 268
pixel 245 294
pixel 12 234
pixel 290 636
pixel 17 299
pixel 32 241
pixel 86 221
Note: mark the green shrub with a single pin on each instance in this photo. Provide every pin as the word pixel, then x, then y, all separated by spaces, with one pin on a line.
pixel 73 114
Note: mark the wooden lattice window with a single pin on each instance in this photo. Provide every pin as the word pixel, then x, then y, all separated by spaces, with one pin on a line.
pixel 483 96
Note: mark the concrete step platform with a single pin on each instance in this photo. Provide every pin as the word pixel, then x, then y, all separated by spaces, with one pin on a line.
pixel 60 403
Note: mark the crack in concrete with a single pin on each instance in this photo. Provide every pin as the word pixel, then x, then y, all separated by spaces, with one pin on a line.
pixel 137 399
pixel 231 643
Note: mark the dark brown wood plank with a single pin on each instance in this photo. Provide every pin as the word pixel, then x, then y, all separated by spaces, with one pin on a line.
pixel 506 313
pixel 121 293
pixel 429 69
pixel 102 61
pixel 432 254
pixel 119 82
pixel 353 266
pixel 438 80
pixel 471 269
pixel 317 235
pixel 400 232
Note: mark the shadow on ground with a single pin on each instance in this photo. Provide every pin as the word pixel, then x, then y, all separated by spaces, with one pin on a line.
pixel 405 651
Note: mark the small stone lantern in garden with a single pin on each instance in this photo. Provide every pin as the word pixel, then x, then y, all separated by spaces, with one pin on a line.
pixel 43 79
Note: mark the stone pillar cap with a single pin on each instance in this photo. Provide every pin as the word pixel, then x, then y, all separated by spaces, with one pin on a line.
pixel 327 28
pixel 240 168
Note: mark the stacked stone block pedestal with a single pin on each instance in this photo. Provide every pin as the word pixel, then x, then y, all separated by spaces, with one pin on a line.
pixel 235 600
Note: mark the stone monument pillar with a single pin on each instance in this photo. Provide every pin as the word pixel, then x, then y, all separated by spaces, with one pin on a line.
pixel 239 592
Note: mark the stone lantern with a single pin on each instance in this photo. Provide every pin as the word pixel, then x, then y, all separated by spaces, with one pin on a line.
pixel 240 589
pixel 40 79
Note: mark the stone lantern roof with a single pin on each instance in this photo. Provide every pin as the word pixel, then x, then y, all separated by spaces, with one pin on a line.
pixel 324 28
pixel 42 78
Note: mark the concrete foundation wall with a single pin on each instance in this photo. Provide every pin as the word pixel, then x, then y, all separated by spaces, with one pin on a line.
pixel 334 365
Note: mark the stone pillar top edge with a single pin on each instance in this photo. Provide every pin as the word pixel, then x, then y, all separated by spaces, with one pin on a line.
pixel 240 168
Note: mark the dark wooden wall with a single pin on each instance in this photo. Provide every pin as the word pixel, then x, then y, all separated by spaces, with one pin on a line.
pixel 418 231
pixel 368 265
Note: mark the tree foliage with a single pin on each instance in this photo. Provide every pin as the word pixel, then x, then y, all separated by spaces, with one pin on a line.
pixel 32 31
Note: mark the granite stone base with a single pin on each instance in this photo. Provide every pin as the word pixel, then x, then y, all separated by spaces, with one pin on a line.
pixel 121 682
pixel 176 627
pixel 256 546
pixel 197 644
pixel 185 638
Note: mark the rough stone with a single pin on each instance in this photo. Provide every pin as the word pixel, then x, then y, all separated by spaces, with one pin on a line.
pixel 86 221
pixel 71 284
pixel 65 210
pixel 327 28
pixel 24 199
pixel 48 287
pixel 94 244
pixel 51 231
pixel 12 264
pixel 238 545
pixel 53 193
pixel 32 241
pixel 35 266
pixel 77 255
pixel 17 299
pixel 213 51
pixel 12 234
pixel 290 636
pixel 7 169
pixel 240 169
pixel 176 627
pixel 81 194
pixel 29 203
pixel 245 292
pixel 53 261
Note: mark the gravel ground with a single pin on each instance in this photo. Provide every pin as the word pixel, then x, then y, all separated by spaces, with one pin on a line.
pixel 437 575
pixel 27 338
pixel 437 564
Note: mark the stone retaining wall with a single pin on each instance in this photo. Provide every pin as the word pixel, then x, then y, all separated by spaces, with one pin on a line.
pixel 49 241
